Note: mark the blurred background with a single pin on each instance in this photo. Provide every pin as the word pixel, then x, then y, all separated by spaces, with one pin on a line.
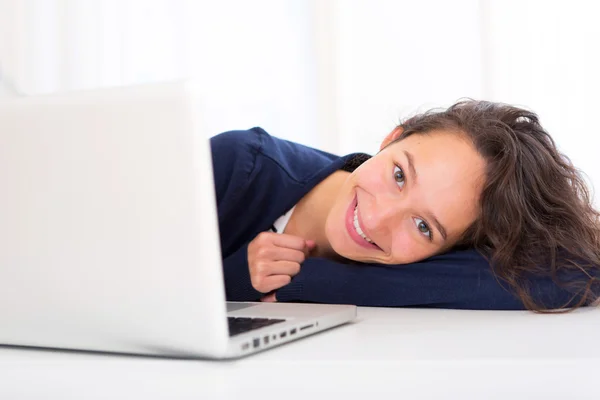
pixel 333 74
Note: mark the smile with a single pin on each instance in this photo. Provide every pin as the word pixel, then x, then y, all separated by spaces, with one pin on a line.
pixel 355 229
pixel 357 226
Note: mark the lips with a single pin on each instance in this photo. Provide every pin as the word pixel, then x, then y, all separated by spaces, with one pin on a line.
pixel 351 229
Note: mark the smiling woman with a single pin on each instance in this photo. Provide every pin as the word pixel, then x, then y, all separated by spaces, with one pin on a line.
pixel 412 200
pixel 473 207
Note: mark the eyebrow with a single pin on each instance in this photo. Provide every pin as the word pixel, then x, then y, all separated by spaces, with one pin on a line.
pixel 413 172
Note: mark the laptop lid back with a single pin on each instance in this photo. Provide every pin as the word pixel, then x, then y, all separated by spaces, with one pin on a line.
pixel 108 230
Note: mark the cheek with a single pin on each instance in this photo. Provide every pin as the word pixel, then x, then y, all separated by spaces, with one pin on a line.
pixel 336 218
pixel 408 248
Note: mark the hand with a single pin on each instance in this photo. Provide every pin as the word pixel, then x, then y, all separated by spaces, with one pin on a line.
pixel 270 298
pixel 273 259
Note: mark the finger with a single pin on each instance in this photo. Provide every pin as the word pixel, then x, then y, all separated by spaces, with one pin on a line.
pixel 283 268
pixel 270 298
pixel 273 282
pixel 282 254
pixel 289 241
pixel 274 253
pixel 309 247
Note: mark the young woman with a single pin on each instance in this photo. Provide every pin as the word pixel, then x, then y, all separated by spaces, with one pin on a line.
pixel 470 207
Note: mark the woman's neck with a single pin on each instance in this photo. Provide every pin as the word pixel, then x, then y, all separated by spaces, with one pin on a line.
pixel 309 216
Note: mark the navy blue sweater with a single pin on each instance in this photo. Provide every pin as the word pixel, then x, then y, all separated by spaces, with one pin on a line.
pixel 259 177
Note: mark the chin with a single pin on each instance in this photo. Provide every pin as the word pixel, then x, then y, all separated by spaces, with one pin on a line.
pixel 347 251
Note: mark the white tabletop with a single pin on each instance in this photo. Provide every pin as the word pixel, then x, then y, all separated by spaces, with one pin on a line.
pixel 409 353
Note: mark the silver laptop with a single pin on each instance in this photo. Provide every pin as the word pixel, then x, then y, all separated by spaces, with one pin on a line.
pixel 109 236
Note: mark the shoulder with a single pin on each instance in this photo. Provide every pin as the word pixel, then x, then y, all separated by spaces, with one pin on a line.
pixel 238 143
pixel 233 160
pixel 255 150
pixel 298 162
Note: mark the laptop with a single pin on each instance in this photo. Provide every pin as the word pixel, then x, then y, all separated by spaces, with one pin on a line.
pixel 109 235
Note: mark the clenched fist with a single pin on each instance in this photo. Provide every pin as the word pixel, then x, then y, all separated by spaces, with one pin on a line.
pixel 274 258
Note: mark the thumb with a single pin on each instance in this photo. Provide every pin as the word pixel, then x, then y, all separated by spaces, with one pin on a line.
pixel 309 246
pixel 270 298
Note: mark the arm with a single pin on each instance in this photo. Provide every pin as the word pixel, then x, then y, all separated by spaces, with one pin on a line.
pixel 458 279
pixel 238 285
pixel 233 162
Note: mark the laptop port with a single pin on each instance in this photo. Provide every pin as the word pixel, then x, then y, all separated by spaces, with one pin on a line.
pixel 283 334
pixel 245 346
pixel 266 339
pixel 306 327
pixel 256 342
pixel 293 331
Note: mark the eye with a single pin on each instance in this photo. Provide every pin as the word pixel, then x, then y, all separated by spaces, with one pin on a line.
pixel 424 228
pixel 399 176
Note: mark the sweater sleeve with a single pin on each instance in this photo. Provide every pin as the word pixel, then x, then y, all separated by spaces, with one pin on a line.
pixel 452 280
pixel 233 159
pixel 238 286
pixel 233 156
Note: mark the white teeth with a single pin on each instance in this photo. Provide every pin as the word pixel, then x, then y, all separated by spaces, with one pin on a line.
pixel 357 226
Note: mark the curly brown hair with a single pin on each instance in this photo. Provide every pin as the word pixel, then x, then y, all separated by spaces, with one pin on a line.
pixel 536 216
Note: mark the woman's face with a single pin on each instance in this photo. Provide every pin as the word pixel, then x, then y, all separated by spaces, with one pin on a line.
pixel 412 200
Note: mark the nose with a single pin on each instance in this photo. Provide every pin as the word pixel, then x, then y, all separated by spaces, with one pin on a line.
pixel 384 213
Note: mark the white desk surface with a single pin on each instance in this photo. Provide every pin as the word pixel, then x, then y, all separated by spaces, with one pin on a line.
pixel 405 353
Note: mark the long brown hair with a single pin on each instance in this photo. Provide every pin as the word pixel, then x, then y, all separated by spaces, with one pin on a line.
pixel 536 215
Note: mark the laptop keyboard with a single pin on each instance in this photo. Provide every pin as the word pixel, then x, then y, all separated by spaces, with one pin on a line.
pixel 240 325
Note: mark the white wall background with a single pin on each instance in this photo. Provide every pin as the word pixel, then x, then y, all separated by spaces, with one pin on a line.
pixel 335 74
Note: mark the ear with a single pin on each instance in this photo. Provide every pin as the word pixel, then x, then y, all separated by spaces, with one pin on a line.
pixel 394 135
